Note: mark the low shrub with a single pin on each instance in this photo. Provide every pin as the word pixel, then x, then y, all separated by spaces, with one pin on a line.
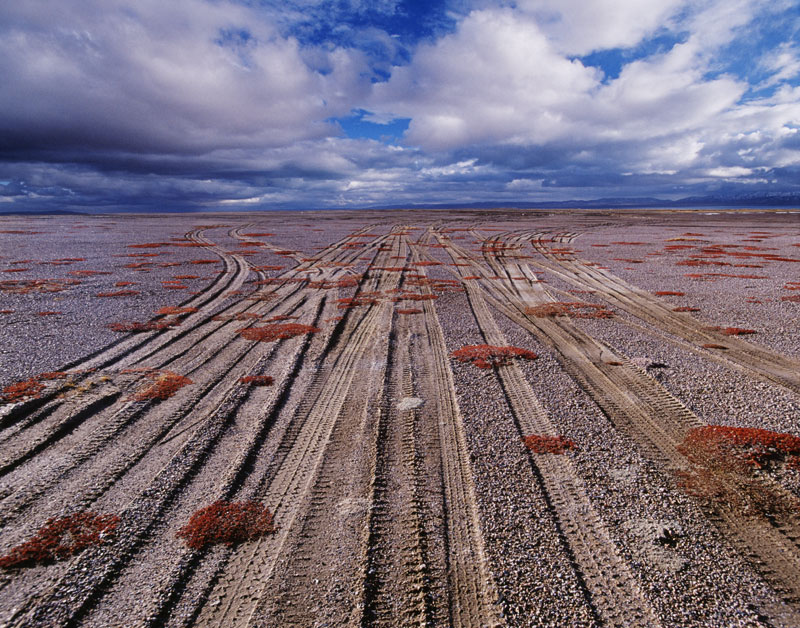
pixel 61 538
pixel 118 293
pixel 165 385
pixel 541 444
pixel 171 310
pixel 276 331
pixel 488 356
pixel 723 460
pixel 256 380
pixel 571 309
pixel 228 523
pixel 20 390
pixel 136 327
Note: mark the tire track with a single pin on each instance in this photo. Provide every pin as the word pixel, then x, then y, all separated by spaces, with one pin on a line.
pixel 204 428
pixel 613 590
pixel 657 422
pixel 471 587
pixel 238 590
pixel 758 361
pixel 396 588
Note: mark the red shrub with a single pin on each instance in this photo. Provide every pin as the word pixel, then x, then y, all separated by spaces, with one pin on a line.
pixel 19 390
pixel 722 463
pixel 409 311
pixel 257 380
pixel 227 522
pixel 49 375
pixel 276 331
pixel 794 298
pixel 136 327
pixel 172 310
pixel 61 538
pixel 667 293
pixel 165 384
pixel 726 446
pixel 487 356
pixel 49 313
pixel 575 309
pixel 713 345
pixel 686 308
pixel 540 444
pixel 118 293
pixel 733 331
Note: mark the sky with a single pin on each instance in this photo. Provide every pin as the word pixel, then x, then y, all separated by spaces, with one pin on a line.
pixel 205 105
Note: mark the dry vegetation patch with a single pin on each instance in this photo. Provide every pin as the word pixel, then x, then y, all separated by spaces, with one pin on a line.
pixel 228 523
pixel 61 538
pixel 488 356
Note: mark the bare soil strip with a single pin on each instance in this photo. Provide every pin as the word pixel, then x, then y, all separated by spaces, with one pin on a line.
pixel 471 585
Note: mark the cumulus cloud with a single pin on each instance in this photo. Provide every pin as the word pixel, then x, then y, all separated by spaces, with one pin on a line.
pixel 180 76
pixel 194 104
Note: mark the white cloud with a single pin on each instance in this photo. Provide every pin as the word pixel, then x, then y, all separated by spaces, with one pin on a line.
pixel 496 77
pixel 180 75
pixel 578 27
pixel 729 171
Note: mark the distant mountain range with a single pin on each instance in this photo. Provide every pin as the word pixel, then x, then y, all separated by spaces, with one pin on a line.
pixel 777 200
pixel 739 200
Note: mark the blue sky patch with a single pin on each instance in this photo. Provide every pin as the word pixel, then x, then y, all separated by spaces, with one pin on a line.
pixel 356 127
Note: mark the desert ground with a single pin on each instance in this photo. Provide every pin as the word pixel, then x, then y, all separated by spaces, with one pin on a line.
pixel 618 444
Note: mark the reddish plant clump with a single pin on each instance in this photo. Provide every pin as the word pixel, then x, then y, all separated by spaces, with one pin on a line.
pixel 20 390
pixel 257 380
pixel 723 460
pixel 686 308
pixel 228 523
pixel 118 293
pixel 412 310
pixel 668 293
pixel 488 356
pixel 172 310
pixel 49 313
pixel 733 331
pixel 136 327
pixel 61 538
pixel 164 386
pixel 575 309
pixel 277 331
pixel 540 444
pixel 723 445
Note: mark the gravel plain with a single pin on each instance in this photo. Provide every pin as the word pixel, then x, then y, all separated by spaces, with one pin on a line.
pixel 85 443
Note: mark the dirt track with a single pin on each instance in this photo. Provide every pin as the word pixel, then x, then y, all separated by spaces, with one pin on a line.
pixel 394 504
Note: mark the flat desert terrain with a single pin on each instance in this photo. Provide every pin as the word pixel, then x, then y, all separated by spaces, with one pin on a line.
pixel 401 418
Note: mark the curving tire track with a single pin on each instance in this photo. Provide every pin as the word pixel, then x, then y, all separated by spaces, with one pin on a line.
pixel 240 587
pixel 751 358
